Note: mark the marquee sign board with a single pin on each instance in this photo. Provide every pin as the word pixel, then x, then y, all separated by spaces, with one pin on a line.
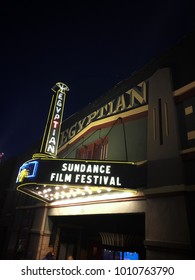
pixel 35 176
pixel 50 179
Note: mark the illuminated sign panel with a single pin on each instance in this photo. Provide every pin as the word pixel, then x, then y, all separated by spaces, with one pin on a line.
pixel 27 170
pixel 51 136
pixel 54 132
pixel 60 174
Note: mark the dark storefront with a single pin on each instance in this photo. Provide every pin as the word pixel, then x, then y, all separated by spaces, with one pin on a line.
pixel 104 237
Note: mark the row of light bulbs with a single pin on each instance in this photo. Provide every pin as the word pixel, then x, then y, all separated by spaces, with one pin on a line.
pixel 60 192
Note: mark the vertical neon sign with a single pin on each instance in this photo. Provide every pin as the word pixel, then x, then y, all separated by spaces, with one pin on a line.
pixel 52 130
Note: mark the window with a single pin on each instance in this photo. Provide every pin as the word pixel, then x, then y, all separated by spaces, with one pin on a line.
pixel 95 150
pixel 119 255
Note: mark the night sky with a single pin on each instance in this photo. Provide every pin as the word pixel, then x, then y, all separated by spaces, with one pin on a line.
pixel 89 47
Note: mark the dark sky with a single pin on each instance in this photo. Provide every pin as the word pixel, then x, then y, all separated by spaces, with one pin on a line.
pixel 90 47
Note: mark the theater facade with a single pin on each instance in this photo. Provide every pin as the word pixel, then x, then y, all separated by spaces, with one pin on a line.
pixel 121 183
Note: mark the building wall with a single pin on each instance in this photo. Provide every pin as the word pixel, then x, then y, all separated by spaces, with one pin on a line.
pixel 157 139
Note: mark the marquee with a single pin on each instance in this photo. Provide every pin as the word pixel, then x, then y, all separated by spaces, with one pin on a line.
pixel 50 179
pixel 56 179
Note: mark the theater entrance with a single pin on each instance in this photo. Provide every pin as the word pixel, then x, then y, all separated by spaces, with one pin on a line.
pixel 108 236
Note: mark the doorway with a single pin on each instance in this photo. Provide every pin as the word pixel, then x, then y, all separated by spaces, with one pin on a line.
pixel 110 236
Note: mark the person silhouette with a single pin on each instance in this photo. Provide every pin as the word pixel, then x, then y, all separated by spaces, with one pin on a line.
pixel 49 256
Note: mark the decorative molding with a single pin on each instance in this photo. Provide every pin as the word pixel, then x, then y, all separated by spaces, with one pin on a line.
pixel 184 89
pixel 167 190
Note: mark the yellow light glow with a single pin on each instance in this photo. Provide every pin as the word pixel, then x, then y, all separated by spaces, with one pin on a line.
pixel 57 193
